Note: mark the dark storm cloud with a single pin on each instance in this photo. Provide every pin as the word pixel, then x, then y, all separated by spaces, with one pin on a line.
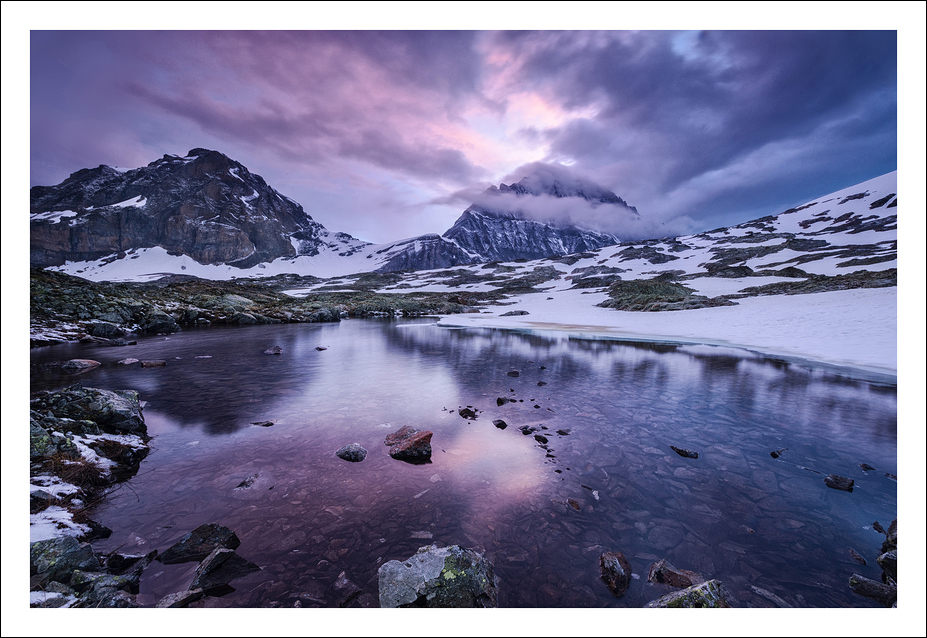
pixel 679 105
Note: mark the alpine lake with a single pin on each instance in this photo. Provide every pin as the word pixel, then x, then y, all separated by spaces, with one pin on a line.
pixel 592 472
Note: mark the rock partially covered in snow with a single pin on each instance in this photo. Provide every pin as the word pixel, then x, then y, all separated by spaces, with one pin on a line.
pixel 433 577
pixel 115 412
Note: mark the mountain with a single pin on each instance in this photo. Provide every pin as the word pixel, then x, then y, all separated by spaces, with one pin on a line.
pixel 203 205
pixel 206 214
pixel 499 228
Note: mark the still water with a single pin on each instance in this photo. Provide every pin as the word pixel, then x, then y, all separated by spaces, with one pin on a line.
pixel 313 521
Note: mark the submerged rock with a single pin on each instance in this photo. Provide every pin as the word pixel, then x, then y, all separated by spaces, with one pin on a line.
pixel 352 452
pixel 839 482
pixel 221 567
pixel 274 350
pixel 664 573
pixel 711 594
pixel 433 577
pixel 154 363
pixel 76 366
pixel 200 543
pixel 683 452
pixel 616 572
pixel 777 453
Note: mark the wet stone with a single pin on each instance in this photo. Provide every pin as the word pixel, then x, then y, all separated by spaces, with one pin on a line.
pixel 777 453
pixel 683 452
pixel 616 572
pixel 664 573
pixel 839 482
pixel 352 452
pixel 199 544
pixel 866 467
pixel 710 594
pixel 155 363
pixel 513 373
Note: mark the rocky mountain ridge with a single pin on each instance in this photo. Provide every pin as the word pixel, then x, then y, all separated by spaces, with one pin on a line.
pixel 205 209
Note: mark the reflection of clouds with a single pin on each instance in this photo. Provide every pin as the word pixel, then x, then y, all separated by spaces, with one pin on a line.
pixel 512 465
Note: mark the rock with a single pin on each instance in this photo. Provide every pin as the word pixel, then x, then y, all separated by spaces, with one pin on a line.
pixel 106 330
pixel 514 313
pixel 180 599
pixel 433 577
pixel 564 432
pixel 321 348
pixel 43 444
pixel 878 527
pixel 616 572
pixel 548 595
pixel 710 594
pixel 156 363
pixel 274 350
pixel 499 423
pixel 540 438
pixel 116 412
pixel 682 452
pixel 221 567
pixel 891 537
pixel 263 424
pixel 777 453
pixel 880 592
pixel 839 482
pixel 866 467
pixel 414 449
pixel 889 564
pixel 127 361
pixel 527 429
pixel 56 559
pixel 401 434
pixel 352 452
pixel 467 413
pixel 855 556
pixel 248 482
pixel 77 366
pixel 663 572
pixel 199 544
pixel 542 383
pixel 159 321
pixel 513 373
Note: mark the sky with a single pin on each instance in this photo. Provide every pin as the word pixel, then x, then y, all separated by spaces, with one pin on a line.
pixel 391 134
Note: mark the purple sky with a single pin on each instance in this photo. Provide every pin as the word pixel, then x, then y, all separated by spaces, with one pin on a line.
pixel 386 135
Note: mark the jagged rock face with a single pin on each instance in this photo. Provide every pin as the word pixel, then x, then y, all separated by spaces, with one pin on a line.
pixel 427 252
pixel 495 232
pixel 204 205
pixel 504 238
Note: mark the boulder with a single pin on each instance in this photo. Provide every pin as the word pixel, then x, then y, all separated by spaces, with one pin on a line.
pixel 467 413
pixel 56 559
pixel 200 543
pixel 711 594
pixel 616 572
pixel 401 434
pixel 106 330
pixel 221 567
pixel 889 564
pixel 76 366
pixel 415 449
pixel 499 423
pixel 433 577
pixel 664 573
pixel 839 482
pixel 891 537
pixel 116 412
pixel 880 592
pixel 352 452
pixel 159 321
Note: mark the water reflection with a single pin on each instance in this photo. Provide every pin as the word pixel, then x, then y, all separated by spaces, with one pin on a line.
pixel 734 513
